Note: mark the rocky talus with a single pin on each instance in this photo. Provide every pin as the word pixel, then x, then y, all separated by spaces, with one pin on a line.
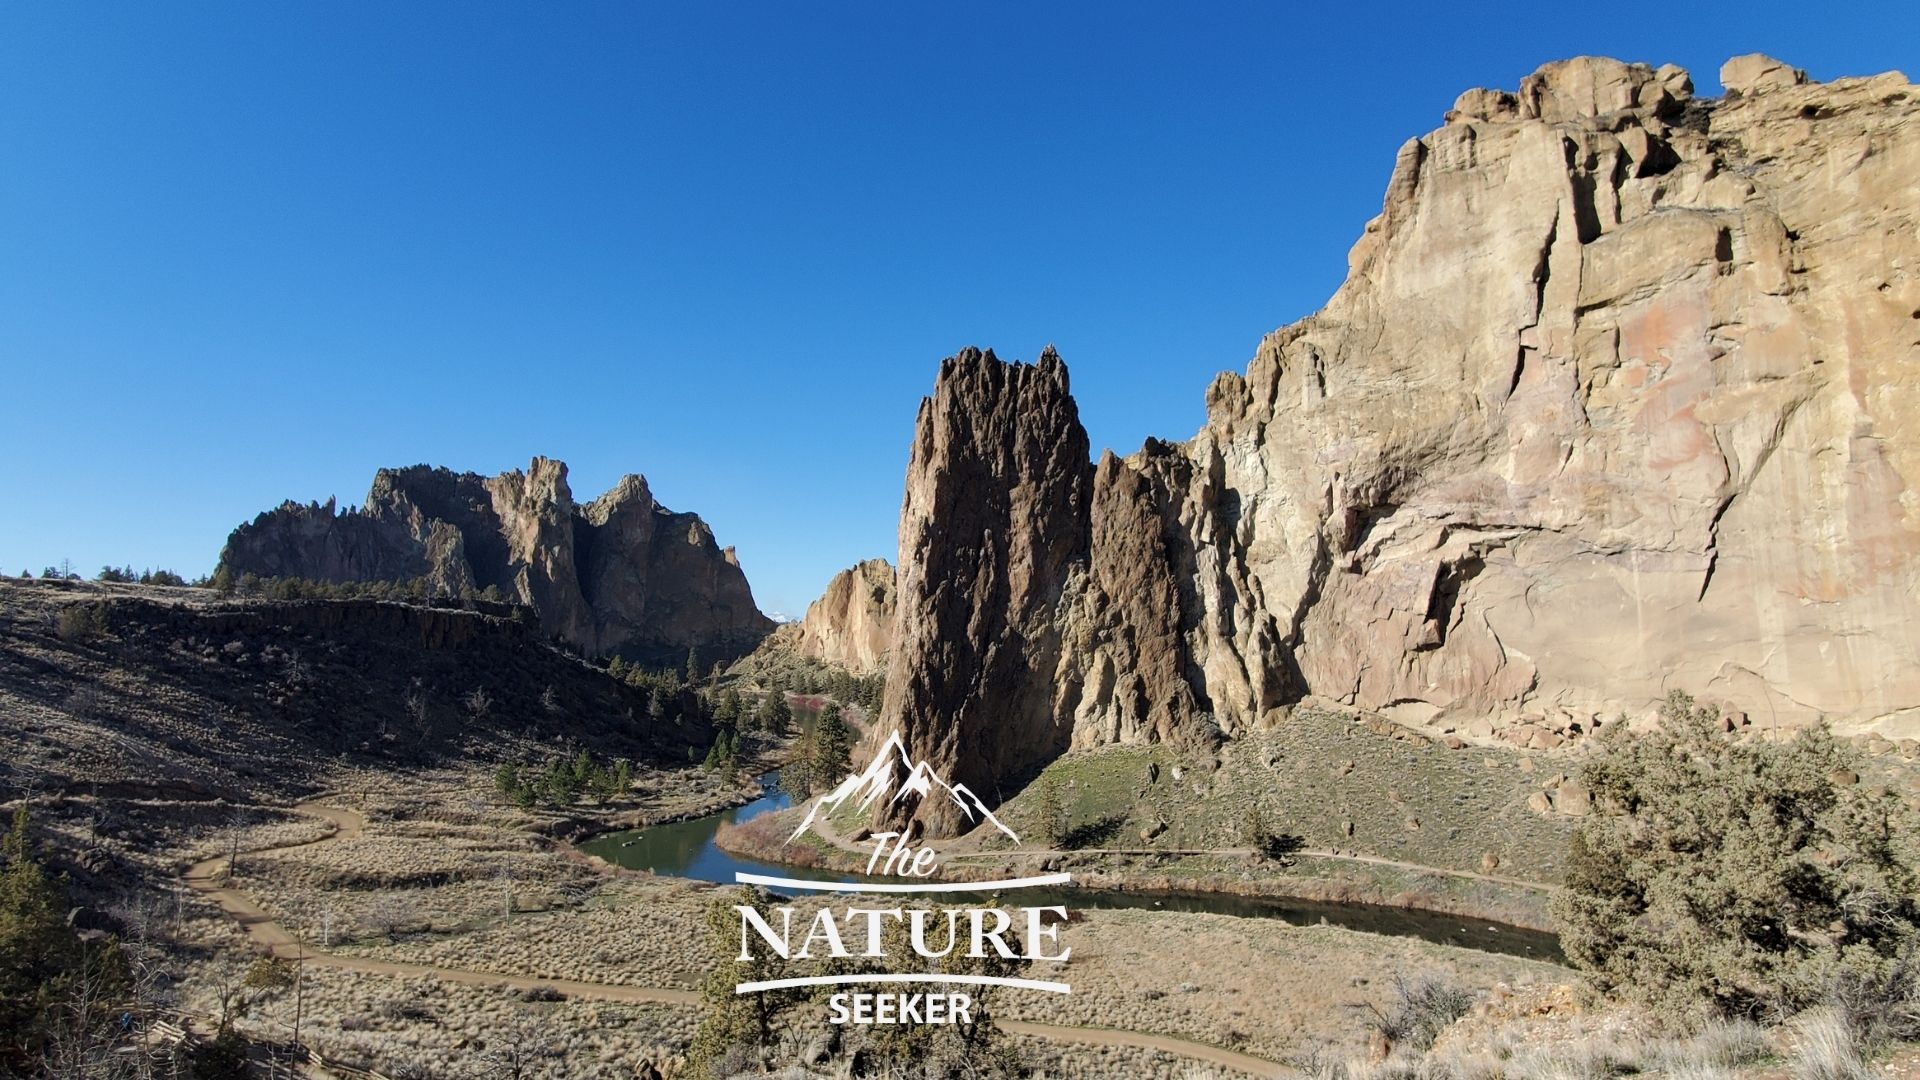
pixel 621 574
pixel 1618 397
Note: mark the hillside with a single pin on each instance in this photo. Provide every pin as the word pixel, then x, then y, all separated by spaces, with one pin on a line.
pixel 179 693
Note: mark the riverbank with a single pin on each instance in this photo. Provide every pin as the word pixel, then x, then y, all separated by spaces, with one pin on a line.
pixel 639 941
pixel 1320 878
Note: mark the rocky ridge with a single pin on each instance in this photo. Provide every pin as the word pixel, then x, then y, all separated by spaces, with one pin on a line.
pixel 1618 398
pixel 851 625
pixel 621 574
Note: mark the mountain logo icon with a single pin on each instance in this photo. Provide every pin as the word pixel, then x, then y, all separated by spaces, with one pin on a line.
pixel 874 783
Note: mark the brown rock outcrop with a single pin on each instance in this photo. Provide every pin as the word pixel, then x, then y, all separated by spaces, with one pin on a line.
pixel 1618 397
pixel 851 625
pixel 993 523
pixel 622 574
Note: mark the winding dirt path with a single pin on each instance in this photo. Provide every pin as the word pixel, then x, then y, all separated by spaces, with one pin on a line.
pixel 824 828
pixel 208 877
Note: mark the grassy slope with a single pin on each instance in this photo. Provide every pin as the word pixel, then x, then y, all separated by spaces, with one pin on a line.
pixel 1414 802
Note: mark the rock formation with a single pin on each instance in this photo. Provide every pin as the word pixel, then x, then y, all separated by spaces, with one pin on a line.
pixel 1618 397
pixel 851 625
pixel 622 574
pixel 993 524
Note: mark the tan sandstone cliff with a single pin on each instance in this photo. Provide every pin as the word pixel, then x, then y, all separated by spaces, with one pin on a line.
pixel 851 625
pixel 1618 397
pixel 622 574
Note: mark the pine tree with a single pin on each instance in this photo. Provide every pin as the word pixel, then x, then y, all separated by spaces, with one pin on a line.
pixel 776 716
pixel 832 745
pixel 35 946
pixel 734 1020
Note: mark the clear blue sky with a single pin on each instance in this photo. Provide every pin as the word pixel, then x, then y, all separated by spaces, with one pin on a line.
pixel 254 251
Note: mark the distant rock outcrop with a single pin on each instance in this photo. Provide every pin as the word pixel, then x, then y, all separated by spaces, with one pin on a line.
pixel 851 625
pixel 1618 397
pixel 622 574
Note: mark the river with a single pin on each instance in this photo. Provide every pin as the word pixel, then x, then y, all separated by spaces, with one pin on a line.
pixel 687 849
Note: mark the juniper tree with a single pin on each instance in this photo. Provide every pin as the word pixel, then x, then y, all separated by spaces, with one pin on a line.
pixel 1734 875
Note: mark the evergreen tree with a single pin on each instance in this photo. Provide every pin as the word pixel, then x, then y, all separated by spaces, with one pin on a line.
pixel 738 1021
pixel 832 745
pixel 35 948
pixel 776 716
pixel 1739 876
pixel 619 779
pixel 506 779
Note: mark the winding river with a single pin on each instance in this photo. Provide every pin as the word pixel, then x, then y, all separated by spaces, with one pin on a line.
pixel 687 849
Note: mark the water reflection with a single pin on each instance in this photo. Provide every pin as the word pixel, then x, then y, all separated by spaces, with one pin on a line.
pixel 687 849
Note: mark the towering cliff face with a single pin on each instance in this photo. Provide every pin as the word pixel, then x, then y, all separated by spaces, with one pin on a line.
pixel 993 523
pixel 1619 397
pixel 851 625
pixel 621 574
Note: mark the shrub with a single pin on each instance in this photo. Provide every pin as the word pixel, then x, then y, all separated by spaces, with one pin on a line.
pixel 1882 1003
pixel 1421 1010
pixel 388 914
pixel 1733 876
pixel 80 623
pixel 1049 814
pixel 479 703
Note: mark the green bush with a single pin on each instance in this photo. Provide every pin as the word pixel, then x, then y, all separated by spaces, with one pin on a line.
pixel 1734 876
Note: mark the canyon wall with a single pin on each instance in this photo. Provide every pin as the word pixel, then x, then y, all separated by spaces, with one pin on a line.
pixel 1618 397
pixel 851 625
pixel 621 574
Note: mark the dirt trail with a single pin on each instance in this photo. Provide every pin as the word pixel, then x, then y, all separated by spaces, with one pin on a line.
pixel 825 829
pixel 205 877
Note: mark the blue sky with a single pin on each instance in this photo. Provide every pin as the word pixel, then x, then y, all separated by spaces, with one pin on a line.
pixel 253 251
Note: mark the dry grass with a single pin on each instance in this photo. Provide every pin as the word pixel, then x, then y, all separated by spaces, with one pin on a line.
pixel 1314 775
pixel 435 1028
pixel 1826 1048
pixel 1256 985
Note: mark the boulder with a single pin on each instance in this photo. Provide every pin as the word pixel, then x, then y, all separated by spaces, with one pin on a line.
pixel 1573 799
pixel 1757 71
